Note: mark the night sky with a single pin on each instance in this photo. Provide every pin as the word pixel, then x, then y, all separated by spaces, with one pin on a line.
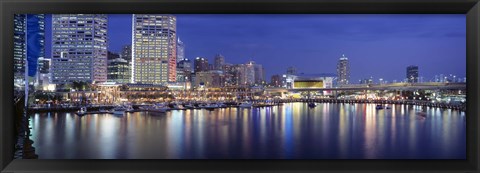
pixel 381 46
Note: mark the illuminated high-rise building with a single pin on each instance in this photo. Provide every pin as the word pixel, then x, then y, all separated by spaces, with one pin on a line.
pixel 154 48
pixel 343 71
pixel 79 48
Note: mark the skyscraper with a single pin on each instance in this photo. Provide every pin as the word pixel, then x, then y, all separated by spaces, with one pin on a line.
pixel 343 71
pixel 79 48
pixel 201 64
pixel 180 50
pixel 219 61
pixel 248 76
pixel 412 74
pixel 154 48
pixel 20 49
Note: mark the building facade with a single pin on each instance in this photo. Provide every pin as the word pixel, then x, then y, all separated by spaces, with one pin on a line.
pixel 119 71
pixel 412 74
pixel 209 79
pixel 154 48
pixel 343 71
pixel 79 48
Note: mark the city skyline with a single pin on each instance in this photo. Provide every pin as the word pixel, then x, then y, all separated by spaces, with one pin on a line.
pixel 406 39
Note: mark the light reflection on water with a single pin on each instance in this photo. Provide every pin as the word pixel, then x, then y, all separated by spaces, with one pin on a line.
pixel 291 131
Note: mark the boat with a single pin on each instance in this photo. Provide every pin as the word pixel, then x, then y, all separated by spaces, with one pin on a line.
pixel 312 105
pixel 119 110
pixel 189 106
pixel 104 111
pixel 222 105
pixel 210 106
pixel 82 111
pixel 129 108
pixel 245 105
pixel 178 106
pixel 157 108
pixel 379 107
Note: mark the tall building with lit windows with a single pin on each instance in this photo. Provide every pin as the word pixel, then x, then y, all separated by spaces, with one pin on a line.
pixel 79 48
pixel 154 48
pixel 343 71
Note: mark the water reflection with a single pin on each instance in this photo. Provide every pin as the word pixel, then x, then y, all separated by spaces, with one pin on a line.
pixel 291 131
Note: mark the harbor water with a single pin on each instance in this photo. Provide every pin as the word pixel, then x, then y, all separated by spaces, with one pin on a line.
pixel 290 131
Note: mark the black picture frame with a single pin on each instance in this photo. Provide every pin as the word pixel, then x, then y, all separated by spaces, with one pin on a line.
pixel 469 7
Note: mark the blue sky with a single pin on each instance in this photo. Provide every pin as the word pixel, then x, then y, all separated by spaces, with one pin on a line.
pixel 381 46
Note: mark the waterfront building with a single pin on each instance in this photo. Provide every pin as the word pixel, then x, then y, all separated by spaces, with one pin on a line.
pixel 79 48
pixel 276 81
pixel 209 79
pixel 219 62
pixel 154 46
pixel 180 50
pixel 310 81
pixel 292 70
pixel 119 71
pixel 20 48
pixel 343 71
pixel 412 74
pixel 200 64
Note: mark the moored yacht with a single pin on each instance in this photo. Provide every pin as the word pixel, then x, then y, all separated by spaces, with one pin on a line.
pixel 246 105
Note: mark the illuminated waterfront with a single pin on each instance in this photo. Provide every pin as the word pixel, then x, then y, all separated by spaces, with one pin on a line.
pixel 291 131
